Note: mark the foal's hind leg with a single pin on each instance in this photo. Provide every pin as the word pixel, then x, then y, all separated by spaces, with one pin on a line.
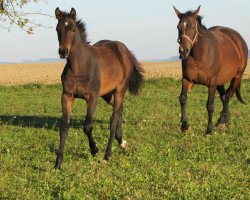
pixel 117 109
pixel 67 102
pixel 109 98
pixel 88 124
pixel 224 115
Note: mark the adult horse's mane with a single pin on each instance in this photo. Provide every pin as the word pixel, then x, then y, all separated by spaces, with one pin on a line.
pixel 80 25
pixel 199 18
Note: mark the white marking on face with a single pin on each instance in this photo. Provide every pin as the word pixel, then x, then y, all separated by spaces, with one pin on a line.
pixel 66 23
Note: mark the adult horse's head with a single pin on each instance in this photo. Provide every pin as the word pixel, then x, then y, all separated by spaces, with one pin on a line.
pixel 188 31
pixel 66 29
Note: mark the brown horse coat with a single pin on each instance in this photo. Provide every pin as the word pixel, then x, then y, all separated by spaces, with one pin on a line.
pixel 105 69
pixel 211 57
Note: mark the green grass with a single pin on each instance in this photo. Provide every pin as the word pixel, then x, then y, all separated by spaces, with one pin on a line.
pixel 161 162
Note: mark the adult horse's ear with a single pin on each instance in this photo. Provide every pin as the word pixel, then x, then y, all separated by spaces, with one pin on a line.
pixel 73 13
pixel 57 13
pixel 196 12
pixel 178 13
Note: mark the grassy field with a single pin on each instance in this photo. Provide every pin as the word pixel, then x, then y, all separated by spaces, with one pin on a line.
pixel 161 162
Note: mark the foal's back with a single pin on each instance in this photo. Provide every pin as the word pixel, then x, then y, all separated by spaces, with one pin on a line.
pixel 114 63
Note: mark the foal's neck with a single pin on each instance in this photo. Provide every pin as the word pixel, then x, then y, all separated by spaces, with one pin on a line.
pixel 78 54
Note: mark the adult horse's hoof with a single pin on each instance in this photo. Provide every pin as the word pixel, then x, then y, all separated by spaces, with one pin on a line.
pixel 124 144
pixel 184 126
pixel 208 133
pixel 94 151
pixel 223 121
pixel 57 165
pixel 59 160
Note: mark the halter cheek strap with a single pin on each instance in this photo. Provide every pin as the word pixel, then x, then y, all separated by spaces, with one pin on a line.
pixel 188 38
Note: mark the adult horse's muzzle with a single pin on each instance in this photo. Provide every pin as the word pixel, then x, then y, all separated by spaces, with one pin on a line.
pixel 63 52
pixel 184 52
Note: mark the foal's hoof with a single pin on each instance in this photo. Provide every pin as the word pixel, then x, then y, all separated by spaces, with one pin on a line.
pixel 185 126
pixel 105 162
pixel 124 145
pixel 57 166
pixel 94 151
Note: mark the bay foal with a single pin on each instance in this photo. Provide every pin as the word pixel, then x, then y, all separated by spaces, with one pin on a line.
pixel 105 70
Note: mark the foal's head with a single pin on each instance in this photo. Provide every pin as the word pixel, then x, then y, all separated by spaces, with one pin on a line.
pixel 66 29
pixel 187 31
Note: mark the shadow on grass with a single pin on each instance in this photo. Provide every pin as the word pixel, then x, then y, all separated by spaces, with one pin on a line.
pixel 50 123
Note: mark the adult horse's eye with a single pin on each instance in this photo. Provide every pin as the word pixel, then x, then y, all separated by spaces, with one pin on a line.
pixel 74 30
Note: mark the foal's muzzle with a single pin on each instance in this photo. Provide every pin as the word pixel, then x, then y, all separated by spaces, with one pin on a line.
pixel 184 52
pixel 63 52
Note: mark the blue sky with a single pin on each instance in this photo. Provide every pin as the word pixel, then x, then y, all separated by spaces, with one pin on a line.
pixel 147 27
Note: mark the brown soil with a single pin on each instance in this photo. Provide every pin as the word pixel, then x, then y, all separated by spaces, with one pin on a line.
pixel 49 73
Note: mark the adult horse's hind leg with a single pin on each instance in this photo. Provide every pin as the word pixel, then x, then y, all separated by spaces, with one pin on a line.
pixel 186 85
pixel 234 85
pixel 116 117
pixel 67 102
pixel 88 124
pixel 224 115
pixel 109 98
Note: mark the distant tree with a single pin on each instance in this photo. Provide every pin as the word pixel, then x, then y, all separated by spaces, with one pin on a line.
pixel 12 13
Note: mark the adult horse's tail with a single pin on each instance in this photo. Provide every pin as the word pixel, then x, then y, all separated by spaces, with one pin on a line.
pixel 238 94
pixel 137 77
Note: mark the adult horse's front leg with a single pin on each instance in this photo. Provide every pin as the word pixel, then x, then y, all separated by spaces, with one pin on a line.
pixel 67 102
pixel 116 116
pixel 186 85
pixel 210 107
pixel 88 124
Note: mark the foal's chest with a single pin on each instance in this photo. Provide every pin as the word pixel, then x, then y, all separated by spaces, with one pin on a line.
pixel 75 85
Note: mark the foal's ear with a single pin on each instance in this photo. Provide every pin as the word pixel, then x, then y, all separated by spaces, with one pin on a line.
pixel 57 13
pixel 72 13
pixel 196 12
pixel 178 13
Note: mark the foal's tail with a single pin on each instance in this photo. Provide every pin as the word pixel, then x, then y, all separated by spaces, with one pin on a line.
pixel 137 77
pixel 238 94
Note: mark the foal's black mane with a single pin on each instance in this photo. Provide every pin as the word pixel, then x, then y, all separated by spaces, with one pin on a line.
pixel 82 29
pixel 189 13
pixel 80 25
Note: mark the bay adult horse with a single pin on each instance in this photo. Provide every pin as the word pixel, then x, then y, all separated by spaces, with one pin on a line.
pixel 211 57
pixel 105 70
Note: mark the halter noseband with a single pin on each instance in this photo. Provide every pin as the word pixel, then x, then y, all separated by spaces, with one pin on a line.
pixel 188 38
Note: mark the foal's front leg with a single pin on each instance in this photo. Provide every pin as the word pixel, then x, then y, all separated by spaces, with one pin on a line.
pixel 210 107
pixel 67 102
pixel 186 85
pixel 88 124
